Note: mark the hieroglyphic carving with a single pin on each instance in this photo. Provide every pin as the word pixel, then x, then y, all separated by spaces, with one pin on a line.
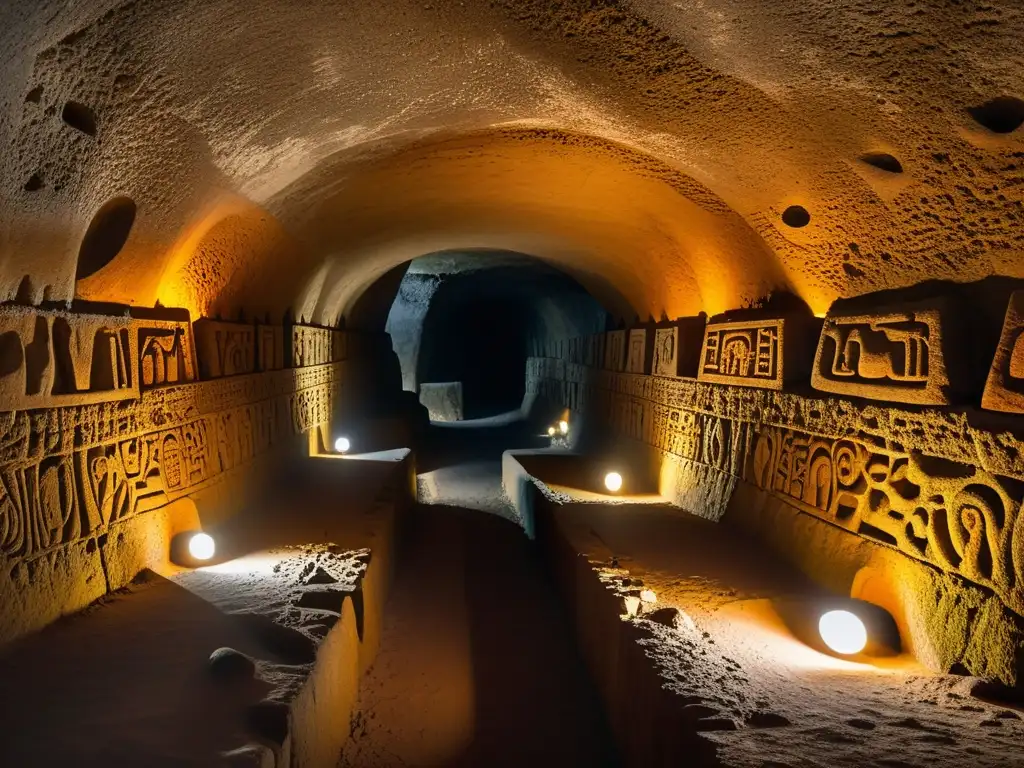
pixel 1004 389
pixel 166 353
pixel 615 350
pixel 224 349
pixel 666 352
pixel 886 356
pixel 269 348
pixel 50 358
pixel 38 506
pixel 748 353
pixel 957 517
pixel 315 345
pixel 638 358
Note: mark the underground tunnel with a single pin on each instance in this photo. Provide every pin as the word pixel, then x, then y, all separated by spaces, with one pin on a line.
pixel 598 383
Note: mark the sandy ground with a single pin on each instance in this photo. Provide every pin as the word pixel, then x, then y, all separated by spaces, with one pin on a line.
pixel 768 699
pixel 477 665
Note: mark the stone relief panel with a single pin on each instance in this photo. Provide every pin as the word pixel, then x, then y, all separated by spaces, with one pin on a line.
pixel 269 348
pixel 638 357
pixel 666 352
pixel 50 358
pixel 1004 389
pixel 894 356
pixel 615 350
pixel 315 345
pixel 166 353
pixel 748 354
pixel 224 349
pixel 956 517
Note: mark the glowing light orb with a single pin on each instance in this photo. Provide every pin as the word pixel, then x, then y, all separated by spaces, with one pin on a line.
pixel 551 431
pixel 563 427
pixel 342 444
pixel 613 481
pixel 201 546
pixel 843 632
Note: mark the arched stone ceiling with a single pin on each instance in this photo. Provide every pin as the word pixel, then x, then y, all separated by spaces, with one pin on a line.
pixel 285 154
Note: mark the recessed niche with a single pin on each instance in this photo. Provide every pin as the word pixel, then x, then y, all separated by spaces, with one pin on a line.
pixel 796 216
pixel 883 161
pixel 108 231
pixel 34 183
pixel 79 117
pixel 35 95
pixel 1003 114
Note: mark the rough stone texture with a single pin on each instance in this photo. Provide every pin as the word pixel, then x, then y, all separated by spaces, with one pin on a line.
pixel 442 400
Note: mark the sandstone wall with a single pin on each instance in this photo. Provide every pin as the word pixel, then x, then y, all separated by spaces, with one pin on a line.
pixel 915 507
pixel 121 427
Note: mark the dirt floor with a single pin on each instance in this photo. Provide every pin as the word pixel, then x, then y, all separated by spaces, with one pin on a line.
pixel 477 665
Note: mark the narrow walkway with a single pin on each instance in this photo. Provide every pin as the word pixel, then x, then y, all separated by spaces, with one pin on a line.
pixel 478 665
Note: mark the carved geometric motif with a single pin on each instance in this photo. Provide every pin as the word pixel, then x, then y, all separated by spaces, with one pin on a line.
pixel 749 354
pixel 888 356
pixel 637 358
pixel 666 351
pixel 166 353
pixel 224 349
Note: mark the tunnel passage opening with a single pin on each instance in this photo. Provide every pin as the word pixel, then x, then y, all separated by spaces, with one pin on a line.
pixel 470 320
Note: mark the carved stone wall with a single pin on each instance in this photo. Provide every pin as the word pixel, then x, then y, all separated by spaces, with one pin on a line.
pixel 1004 390
pixel 103 419
pixel 932 485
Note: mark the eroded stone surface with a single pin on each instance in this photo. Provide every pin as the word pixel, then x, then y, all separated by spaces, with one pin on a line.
pixel 1004 390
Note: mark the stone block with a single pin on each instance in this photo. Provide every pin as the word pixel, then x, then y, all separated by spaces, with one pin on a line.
pixel 677 347
pixel 224 348
pixel 910 354
pixel 640 351
pixel 1004 389
pixel 269 348
pixel 766 353
pixel 615 350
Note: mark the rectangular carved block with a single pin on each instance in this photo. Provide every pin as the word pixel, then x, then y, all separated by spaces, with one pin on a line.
pixel 615 350
pixel 316 345
pixel 1004 389
pixel 755 353
pixel 224 349
pixel 900 356
pixel 269 347
pixel 641 350
pixel 51 359
pixel 677 347
pixel 166 351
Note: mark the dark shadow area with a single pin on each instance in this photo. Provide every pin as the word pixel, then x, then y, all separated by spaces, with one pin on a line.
pixel 475 318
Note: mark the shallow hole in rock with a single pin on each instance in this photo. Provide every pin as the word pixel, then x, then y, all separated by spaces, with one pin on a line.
pixel 883 161
pixel 34 183
pixel 108 231
pixel 79 117
pixel 1003 114
pixel 796 216
pixel 35 95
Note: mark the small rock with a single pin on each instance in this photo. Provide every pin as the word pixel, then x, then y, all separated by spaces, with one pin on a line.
pixel 250 756
pixel 648 596
pixel 227 664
